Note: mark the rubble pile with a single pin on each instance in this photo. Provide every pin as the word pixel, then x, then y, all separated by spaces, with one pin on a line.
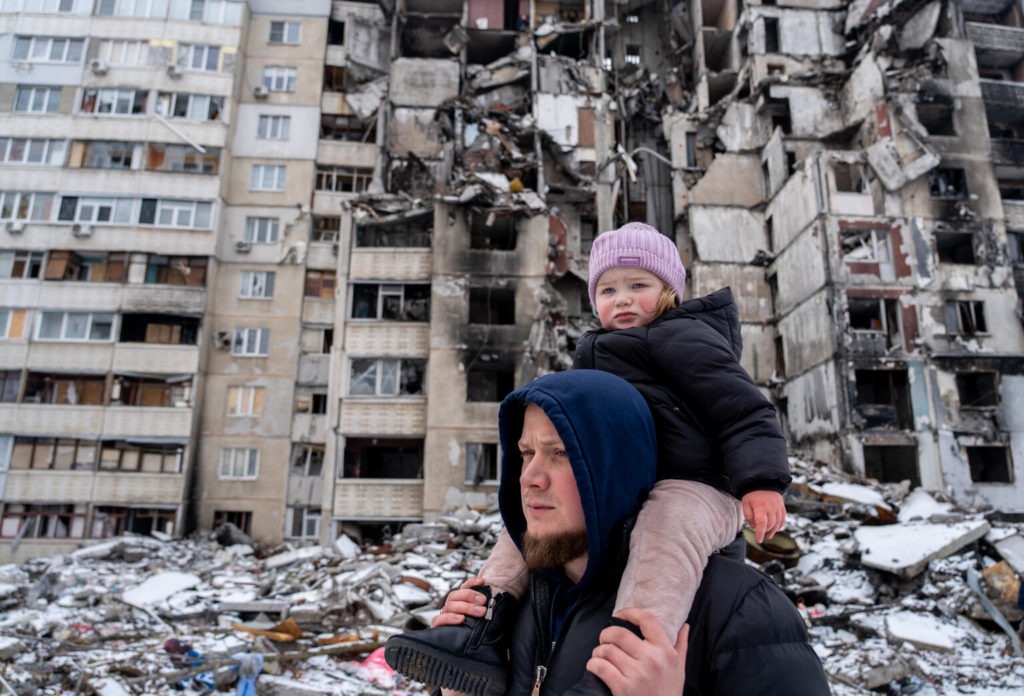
pixel 902 592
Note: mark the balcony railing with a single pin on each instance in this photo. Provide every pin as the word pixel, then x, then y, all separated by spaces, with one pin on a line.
pixel 995 44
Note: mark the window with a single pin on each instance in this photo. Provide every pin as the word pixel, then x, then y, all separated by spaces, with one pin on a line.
pixel 481 463
pixel 257 284
pixel 343 179
pixel 965 318
pixel 935 112
pixel 123 52
pixel 242 519
pixel 47 49
pixel 82 209
pixel 170 213
pixel 251 342
pixel 321 284
pixel 125 102
pixel 65 389
pixel 488 382
pixel 261 230
pixel 62 454
pixel 32 151
pixel 391 302
pixel 317 340
pixel 949 183
pixel 38 6
pixel 307 459
pixel 771 35
pixel 10 384
pixel 865 245
pixel 196 57
pixel 165 329
pixel 43 521
pixel 196 107
pixel 12 323
pixel 112 521
pixel 380 458
pixel 37 100
pixel 305 522
pixel 100 154
pixel 892 463
pixel 849 177
pixel 878 317
pixel 182 158
pixel 284 32
pixel 499 235
pixel 20 205
pixel 279 78
pixel 239 463
pixel 349 128
pixel 20 265
pixel 386 376
pixel 176 270
pixel 132 8
pixel 93 267
pixel 245 401
pixel 883 398
pixel 405 234
pixel 210 11
pixel 274 127
pixel 977 389
pixel 632 56
pixel 267 177
pixel 75 326
pixel 492 306
pixel 150 392
pixel 325 228
pixel 990 464
pixel 955 247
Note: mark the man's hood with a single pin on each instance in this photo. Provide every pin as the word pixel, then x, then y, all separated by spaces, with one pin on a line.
pixel 608 433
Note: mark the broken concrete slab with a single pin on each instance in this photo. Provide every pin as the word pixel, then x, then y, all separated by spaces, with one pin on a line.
pixel 906 549
pixel 922 631
pixel 1011 548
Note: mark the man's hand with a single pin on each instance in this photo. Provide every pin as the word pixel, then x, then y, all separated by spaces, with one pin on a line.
pixel 765 512
pixel 461 603
pixel 631 666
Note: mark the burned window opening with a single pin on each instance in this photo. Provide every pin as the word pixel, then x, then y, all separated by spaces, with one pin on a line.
pixel 491 305
pixel 488 382
pixel 989 464
pixel 977 389
pixel 948 183
pixel 347 129
pixel 381 458
pixel 937 117
pixel 391 302
pixel 1011 189
pixel 876 316
pixel 955 247
pixel 492 232
pixel 892 464
pixel 335 32
pixel 865 245
pixel 966 318
pixel 481 464
pixel 849 177
pixel 778 113
pixel 771 35
pixel 159 328
pixel 411 233
pixel 883 398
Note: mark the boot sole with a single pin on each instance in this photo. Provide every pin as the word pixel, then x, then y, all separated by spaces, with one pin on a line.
pixel 440 669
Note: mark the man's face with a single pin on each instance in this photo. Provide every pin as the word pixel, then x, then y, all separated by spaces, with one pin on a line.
pixel 551 500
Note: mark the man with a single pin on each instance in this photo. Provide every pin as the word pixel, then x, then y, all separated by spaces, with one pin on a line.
pixel 579 455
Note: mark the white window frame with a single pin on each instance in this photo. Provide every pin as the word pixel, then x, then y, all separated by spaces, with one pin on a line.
pixel 125 52
pixel 5 321
pixel 8 257
pixel 273 127
pixel 257 285
pixel 91 209
pixel 268 177
pixel 135 8
pixel 36 205
pixel 974 307
pixel 49 96
pixel 197 104
pixel 91 321
pixel 197 57
pixel 289 33
pixel 239 464
pixel 41 49
pixel 38 6
pixel 309 521
pixel 121 101
pixel 169 213
pixel 387 378
pixel 244 399
pixel 280 78
pixel 262 230
pixel 40 152
pixel 251 343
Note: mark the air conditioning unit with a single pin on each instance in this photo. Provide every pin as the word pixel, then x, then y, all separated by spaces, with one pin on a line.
pixel 15 227
pixel 260 91
pixel 81 230
pixel 98 67
pixel 174 71
pixel 243 246
pixel 222 339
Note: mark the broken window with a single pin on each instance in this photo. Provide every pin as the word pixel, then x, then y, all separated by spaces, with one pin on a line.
pixel 176 270
pixel 43 521
pixel 62 454
pixel 411 233
pixel 112 521
pixel 481 463
pixel 381 458
pixel 494 232
pixel 878 316
pixel 989 464
pixel 777 112
pixel 391 302
pixel 966 318
pixel 977 389
pixel 487 382
pixel 305 522
pixel 955 247
pixel 892 464
pixel 771 35
pixel 386 376
pixel 307 459
pixel 948 182
pixel 492 306
pixel 159 328
pixel 321 284
pixel 347 128
pixel 239 518
pixel 883 398
pixel 325 228
pixel 343 179
pixel 937 117
pixel 149 457
pixel 10 384
pixel 865 245
pixel 67 390
pixel 849 177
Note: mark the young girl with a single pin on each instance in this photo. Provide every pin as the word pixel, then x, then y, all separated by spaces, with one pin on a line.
pixel 722 455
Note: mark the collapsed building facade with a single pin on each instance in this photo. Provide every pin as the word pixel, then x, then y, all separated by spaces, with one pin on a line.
pixel 342 231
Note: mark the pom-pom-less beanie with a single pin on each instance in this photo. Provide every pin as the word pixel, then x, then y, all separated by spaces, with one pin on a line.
pixel 636 245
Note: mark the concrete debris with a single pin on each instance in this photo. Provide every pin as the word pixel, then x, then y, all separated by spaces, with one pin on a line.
pixel 888 603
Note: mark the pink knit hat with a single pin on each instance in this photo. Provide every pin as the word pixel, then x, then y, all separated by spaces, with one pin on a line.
pixel 637 245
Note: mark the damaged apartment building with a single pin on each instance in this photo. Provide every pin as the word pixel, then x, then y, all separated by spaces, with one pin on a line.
pixel 277 263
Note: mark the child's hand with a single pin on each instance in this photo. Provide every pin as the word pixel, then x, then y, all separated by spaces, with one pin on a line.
pixel 765 512
pixel 461 603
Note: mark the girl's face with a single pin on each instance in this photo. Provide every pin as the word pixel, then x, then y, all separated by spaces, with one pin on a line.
pixel 627 297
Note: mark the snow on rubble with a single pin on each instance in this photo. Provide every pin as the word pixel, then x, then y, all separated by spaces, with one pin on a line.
pixel 903 593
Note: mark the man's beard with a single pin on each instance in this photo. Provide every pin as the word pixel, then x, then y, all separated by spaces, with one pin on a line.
pixel 553 551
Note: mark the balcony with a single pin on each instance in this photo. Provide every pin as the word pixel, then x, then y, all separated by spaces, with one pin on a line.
pixel 383 339
pixel 996 45
pixel 314 368
pixel 383 416
pixel 309 427
pixel 75 295
pixel 317 311
pixel 84 356
pixel 165 299
pixel 50 419
pixel 1005 151
pixel 349 154
pixel 149 358
pixel 322 256
pixel 44 485
pixel 1014 212
pixel 85 486
pixel 397 264
pixel 132 421
pixel 136 488
pixel 378 499
pixel 1004 101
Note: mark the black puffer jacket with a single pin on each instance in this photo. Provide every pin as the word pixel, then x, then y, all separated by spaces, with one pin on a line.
pixel 714 425
pixel 745 638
